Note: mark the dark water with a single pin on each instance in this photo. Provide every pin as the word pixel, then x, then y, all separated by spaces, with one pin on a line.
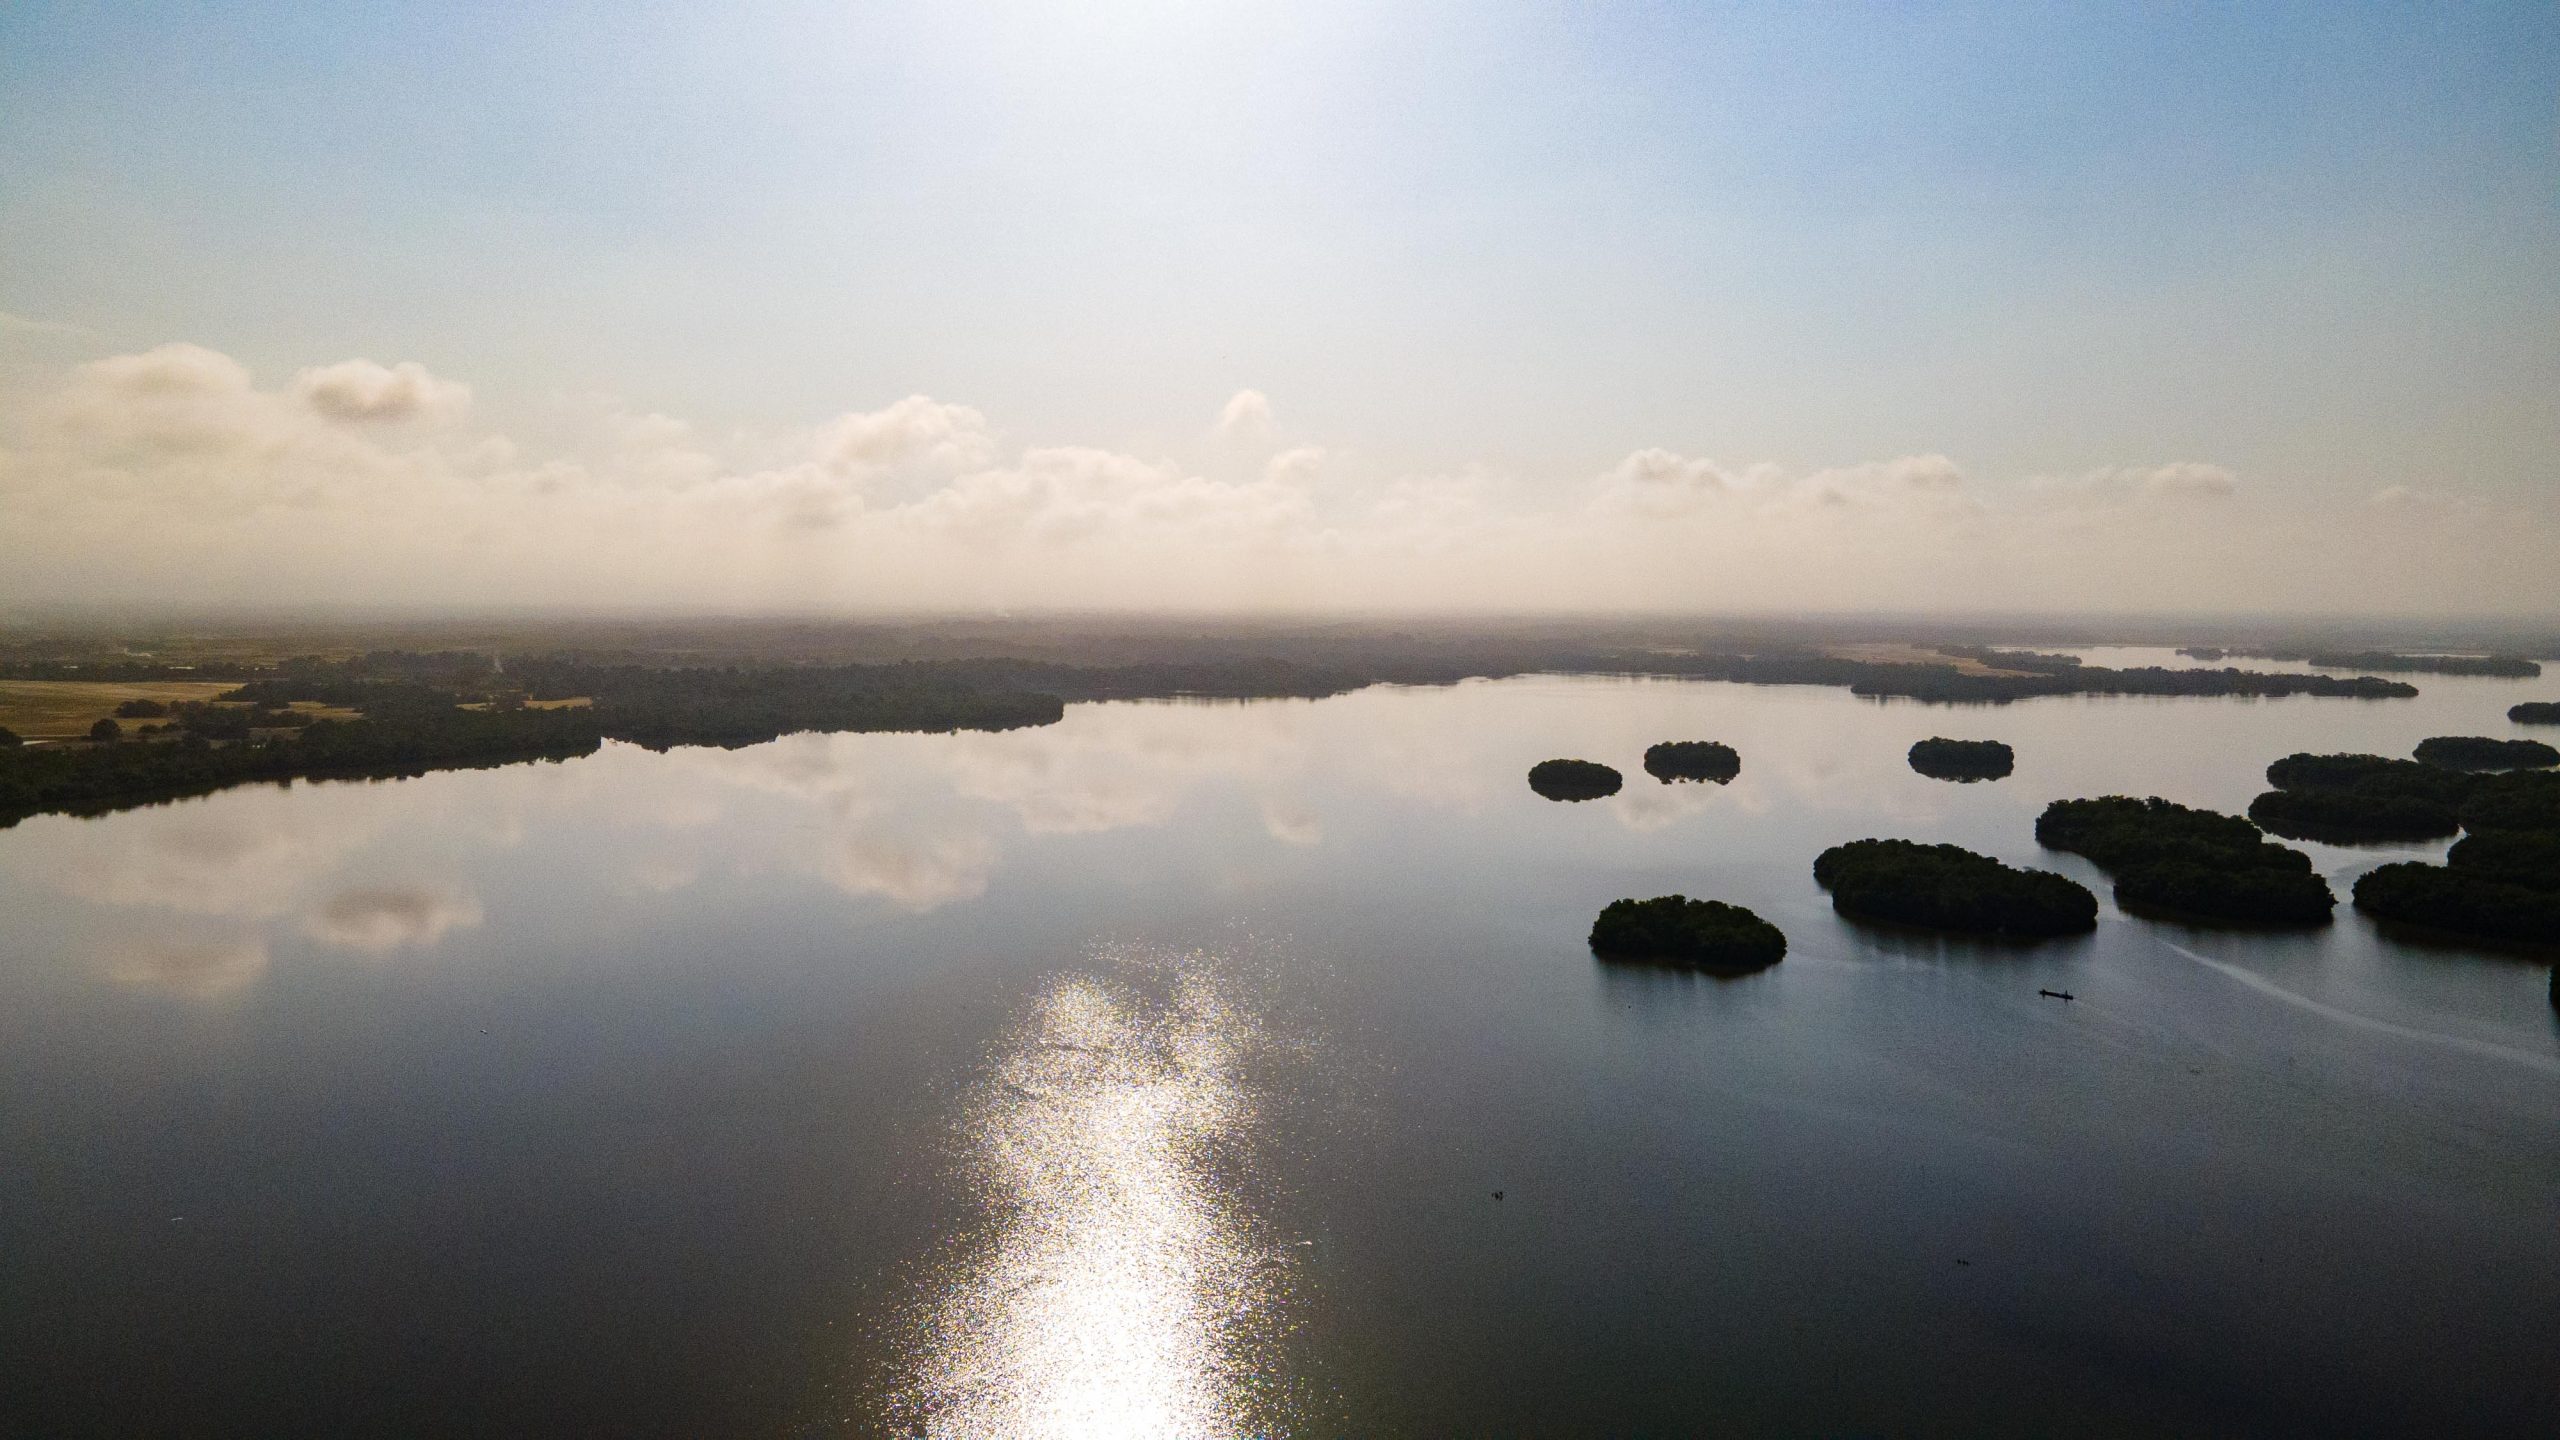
pixel 1155 1072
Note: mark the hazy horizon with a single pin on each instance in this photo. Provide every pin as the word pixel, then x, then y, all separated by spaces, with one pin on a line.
pixel 1317 310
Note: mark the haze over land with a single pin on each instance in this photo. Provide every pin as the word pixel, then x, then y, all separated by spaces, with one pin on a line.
pixel 1301 309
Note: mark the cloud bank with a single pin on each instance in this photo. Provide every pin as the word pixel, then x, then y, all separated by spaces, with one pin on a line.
pixel 175 472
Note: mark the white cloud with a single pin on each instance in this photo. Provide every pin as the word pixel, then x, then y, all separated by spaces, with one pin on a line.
pixel 1246 417
pixel 918 429
pixel 363 392
pixel 173 468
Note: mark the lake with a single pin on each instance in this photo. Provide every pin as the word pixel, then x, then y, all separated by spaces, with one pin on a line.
pixel 1190 1068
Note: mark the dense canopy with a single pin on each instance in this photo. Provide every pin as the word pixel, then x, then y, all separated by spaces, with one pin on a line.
pixel 1574 779
pixel 2345 799
pixel 2499 882
pixel 1692 760
pixel 1962 760
pixel 1676 930
pixel 2535 712
pixel 2192 863
pixel 2441 897
pixel 1946 887
pixel 2518 800
pixel 2483 752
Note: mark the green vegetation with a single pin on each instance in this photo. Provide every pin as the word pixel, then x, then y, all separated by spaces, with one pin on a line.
pixel 2193 863
pixel 1692 760
pixel 2518 800
pixel 2347 799
pixel 2438 897
pixel 141 710
pixel 2530 858
pixel 1574 779
pixel 1962 760
pixel 1676 930
pixel 9 738
pixel 672 684
pixel 410 719
pixel 2535 712
pixel 1945 887
pixel 2481 752
pixel 2389 662
pixel 2500 882
pixel 89 780
pixel 106 732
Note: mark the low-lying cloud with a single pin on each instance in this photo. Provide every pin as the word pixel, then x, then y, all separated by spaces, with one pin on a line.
pixel 174 471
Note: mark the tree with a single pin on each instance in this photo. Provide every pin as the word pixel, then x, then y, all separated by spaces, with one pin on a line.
pixel 106 732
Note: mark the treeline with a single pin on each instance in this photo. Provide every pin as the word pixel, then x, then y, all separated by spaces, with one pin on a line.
pixel 2182 861
pixel 2387 662
pixel 126 672
pixel 92 779
pixel 2501 881
pixel 2348 799
pixel 1947 887
pixel 1948 684
pixel 1940 758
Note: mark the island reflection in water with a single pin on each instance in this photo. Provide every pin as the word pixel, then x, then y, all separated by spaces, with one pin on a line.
pixel 726 1093
pixel 1119 1290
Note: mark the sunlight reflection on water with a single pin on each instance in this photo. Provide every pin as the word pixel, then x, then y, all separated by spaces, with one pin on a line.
pixel 1119 1292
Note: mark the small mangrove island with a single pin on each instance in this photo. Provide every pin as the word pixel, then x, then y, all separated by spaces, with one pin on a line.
pixel 1947 887
pixel 2482 752
pixel 2458 902
pixel 2189 863
pixel 1940 758
pixel 2535 712
pixel 1676 930
pixel 1675 760
pixel 1574 779
pixel 2500 882
pixel 2352 799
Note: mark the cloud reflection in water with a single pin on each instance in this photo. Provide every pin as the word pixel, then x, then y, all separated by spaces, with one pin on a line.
pixel 1120 1292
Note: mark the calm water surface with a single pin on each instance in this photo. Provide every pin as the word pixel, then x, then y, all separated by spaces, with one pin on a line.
pixel 1156 1072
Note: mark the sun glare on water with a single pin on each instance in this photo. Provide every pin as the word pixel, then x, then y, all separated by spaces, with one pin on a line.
pixel 1119 1293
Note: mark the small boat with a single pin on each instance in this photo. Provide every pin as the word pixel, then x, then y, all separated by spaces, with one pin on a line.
pixel 2057 994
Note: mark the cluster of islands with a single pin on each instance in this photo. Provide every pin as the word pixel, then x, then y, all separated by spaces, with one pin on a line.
pixel 400 712
pixel 2500 883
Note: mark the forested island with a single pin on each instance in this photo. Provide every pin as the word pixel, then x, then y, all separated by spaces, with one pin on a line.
pixel 2386 662
pixel 2189 863
pixel 2350 799
pixel 2482 752
pixel 1946 887
pixel 1707 760
pixel 1698 934
pixel 2535 712
pixel 1574 779
pixel 1962 760
pixel 2500 882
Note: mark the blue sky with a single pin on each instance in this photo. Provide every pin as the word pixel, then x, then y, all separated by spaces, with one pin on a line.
pixel 2316 246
